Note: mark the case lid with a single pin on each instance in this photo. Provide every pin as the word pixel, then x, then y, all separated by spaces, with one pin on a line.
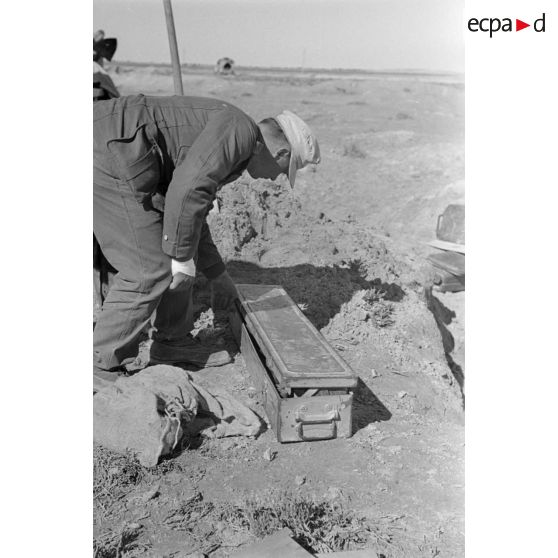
pixel 300 355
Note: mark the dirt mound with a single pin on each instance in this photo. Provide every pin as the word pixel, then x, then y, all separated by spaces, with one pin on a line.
pixel 364 295
pixel 250 209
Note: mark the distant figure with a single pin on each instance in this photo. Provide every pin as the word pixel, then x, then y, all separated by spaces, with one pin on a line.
pixel 103 49
pixel 224 66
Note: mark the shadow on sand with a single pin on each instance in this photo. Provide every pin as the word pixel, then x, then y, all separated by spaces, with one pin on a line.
pixel 444 316
pixel 367 408
pixel 322 290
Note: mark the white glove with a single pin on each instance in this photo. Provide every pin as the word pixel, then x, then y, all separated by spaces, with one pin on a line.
pixel 187 268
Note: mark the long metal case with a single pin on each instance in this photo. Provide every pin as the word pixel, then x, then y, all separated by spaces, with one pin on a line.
pixel 303 384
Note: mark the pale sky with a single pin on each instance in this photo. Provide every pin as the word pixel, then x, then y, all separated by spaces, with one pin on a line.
pixel 367 34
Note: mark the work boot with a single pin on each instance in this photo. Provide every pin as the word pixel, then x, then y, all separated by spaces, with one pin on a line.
pixel 191 351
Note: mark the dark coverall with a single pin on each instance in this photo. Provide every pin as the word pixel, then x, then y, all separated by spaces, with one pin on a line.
pixel 158 163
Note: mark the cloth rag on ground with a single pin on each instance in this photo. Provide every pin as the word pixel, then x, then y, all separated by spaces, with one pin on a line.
pixel 149 413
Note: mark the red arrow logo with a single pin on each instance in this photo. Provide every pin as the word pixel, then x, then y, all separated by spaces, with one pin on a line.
pixel 519 25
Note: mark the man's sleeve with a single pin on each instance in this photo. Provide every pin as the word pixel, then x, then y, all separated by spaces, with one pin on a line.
pixel 209 259
pixel 227 140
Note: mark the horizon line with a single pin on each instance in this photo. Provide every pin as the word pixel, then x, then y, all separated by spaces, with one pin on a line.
pixel 419 71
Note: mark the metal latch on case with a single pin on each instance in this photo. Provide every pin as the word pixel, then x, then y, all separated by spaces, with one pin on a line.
pixel 317 426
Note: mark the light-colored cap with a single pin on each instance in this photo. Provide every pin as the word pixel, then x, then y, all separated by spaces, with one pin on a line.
pixel 304 145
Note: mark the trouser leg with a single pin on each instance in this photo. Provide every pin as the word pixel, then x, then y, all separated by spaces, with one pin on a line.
pixel 130 237
pixel 174 317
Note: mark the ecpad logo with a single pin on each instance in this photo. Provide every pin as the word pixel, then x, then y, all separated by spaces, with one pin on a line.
pixel 493 25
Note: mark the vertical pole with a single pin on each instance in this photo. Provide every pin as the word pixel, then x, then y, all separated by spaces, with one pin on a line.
pixel 177 76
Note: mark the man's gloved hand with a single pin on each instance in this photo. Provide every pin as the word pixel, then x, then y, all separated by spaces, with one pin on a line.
pixel 183 274
pixel 223 292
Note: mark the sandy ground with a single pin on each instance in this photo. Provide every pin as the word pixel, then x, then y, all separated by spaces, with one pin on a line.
pixel 349 244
